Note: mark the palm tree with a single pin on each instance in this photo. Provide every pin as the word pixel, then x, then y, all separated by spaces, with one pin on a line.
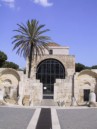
pixel 30 41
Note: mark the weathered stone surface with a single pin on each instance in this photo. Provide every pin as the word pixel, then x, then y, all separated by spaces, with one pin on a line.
pixel 26 101
pixel 85 80
pixel 92 104
pixel 15 86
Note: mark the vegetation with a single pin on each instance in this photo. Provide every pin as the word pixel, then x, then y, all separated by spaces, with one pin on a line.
pixel 30 41
pixel 79 67
pixel 6 64
pixel 3 58
pixel 94 67
pixel 10 65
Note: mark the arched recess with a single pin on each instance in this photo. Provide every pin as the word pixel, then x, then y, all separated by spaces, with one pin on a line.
pixel 10 71
pixel 47 72
pixel 88 72
pixel 10 80
pixel 87 82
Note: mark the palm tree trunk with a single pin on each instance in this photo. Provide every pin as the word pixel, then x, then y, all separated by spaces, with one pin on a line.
pixel 30 61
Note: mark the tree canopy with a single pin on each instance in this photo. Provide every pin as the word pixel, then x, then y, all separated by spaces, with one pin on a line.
pixel 6 64
pixel 94 67
pixel 79 67
pixel 10 65
pixel 3 58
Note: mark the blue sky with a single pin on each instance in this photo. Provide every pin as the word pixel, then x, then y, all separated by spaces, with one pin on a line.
pixel 72 23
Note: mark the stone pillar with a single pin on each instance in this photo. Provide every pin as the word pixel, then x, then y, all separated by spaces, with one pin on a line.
pixel 20 100
pixel 92 100
pixel 21 93
pixel 73 102
pixel 92 97
pixel 1 94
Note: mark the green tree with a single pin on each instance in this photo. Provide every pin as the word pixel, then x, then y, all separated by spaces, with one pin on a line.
pixel 79 67
pixel 87 67
pixel 94 67
pixel 10 65
pixel 30 41
pixel 3 58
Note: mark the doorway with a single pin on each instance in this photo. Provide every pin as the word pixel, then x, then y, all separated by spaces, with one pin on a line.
pixel 47 72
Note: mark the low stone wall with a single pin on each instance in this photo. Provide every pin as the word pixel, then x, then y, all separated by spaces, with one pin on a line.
pixel 63 90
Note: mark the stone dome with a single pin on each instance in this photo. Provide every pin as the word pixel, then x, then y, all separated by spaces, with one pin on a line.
pixel 53 44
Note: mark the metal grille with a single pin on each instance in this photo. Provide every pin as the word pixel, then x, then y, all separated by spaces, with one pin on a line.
pixel 48 71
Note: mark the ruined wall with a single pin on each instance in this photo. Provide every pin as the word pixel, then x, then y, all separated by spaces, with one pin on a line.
pixel 86 79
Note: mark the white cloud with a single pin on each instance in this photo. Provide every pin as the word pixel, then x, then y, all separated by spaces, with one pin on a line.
pixel 44 3
pixel 10 3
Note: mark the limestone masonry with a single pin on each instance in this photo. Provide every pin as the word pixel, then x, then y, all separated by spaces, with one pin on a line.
pixel 52 77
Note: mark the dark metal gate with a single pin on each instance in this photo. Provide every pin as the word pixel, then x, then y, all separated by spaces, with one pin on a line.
pixel 48 71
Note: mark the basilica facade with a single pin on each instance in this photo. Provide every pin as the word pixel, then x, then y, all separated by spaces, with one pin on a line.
pixel 53 77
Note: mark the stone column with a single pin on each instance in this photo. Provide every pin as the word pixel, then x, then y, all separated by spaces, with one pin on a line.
pixel 1 94
pixel 20 100
pixel 92 97
pixel 21 91
pixel 73 102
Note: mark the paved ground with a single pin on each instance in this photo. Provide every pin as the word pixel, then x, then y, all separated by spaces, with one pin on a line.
pixel 27 118
pixel 44 121
pixel 15 118
pixel 77 118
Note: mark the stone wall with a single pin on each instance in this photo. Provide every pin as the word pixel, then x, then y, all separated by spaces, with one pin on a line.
pixel 86 79
pixel 9 84
pixel 67 61
pixel 30 91
pixel 58 50
pixel 63 90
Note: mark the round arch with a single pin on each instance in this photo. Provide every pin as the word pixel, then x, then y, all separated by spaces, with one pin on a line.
pixel 10 71
pixel 10 82
pixel 47 72
pixel 88 72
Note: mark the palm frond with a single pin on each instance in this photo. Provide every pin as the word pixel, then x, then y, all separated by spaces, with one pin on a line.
pixel 30 41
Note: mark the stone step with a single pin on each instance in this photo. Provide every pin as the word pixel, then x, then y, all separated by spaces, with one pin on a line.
pixel 48 102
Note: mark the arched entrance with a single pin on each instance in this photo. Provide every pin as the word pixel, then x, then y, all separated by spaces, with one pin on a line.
pixel 47 72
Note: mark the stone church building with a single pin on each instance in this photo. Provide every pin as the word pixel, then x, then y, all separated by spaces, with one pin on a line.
pixel 53 77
